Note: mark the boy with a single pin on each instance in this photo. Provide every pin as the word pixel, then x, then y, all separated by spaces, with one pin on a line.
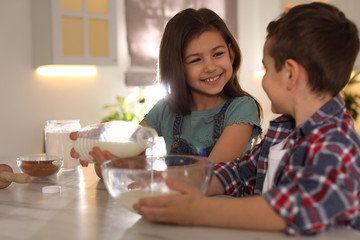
pixel 305 174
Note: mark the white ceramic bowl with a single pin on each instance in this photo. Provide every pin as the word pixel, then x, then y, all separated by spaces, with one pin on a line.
pixel 129 179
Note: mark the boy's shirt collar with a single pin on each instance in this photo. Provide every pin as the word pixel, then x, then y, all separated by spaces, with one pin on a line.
pixel 330 110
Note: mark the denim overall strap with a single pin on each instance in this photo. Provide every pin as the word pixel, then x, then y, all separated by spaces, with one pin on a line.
pixel 177 124
pixel 180 146
pixel 219 120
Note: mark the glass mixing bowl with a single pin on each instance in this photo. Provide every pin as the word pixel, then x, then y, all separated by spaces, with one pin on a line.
pixel 129 179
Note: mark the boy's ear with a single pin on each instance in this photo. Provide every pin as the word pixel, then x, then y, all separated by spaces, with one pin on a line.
pixel 292 73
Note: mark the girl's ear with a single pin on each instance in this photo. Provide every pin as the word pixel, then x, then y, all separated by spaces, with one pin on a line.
pixel 232 53
pixel 291 72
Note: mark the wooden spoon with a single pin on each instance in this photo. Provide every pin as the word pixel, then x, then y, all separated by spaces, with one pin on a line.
pixel 7 176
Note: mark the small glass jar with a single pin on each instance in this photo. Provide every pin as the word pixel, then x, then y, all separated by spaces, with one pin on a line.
pixel 58 142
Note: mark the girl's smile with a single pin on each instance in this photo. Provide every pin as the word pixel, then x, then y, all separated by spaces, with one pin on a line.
pixel 212 80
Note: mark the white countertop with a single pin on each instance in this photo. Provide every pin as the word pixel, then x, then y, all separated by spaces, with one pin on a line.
pixel 84 210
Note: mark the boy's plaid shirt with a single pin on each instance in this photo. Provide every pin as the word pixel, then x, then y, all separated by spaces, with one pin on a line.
pixel 317 182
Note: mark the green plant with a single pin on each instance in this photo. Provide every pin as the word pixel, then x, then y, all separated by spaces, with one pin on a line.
pixel 352 99
pixel 129 108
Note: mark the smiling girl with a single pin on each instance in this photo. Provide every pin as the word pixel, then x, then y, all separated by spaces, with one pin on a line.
pixel 205 112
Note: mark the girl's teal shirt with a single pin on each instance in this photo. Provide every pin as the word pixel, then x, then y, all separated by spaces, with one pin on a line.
pixel 197 127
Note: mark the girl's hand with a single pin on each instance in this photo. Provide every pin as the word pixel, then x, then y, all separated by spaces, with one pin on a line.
pixel 184 208
pixel 100 156
pixel 73 153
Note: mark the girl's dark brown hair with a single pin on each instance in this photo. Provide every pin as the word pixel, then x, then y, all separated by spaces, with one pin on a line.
pixel 320 38
pixel 179 31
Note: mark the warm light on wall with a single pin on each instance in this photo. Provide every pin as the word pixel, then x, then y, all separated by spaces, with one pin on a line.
pixel 353 74
pixel 259 74
pixel 67 70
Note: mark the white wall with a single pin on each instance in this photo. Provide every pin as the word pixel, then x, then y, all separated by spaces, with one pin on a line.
pixel 27 100
pixel 253 17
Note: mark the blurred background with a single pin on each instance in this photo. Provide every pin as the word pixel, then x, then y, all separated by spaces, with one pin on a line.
pixel 119 39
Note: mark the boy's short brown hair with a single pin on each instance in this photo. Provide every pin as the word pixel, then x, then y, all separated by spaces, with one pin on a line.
pixel 320 38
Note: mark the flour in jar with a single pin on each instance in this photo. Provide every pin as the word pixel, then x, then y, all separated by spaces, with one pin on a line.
pixel 59 143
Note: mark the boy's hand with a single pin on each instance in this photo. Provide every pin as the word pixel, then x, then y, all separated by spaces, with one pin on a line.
pixel 184 208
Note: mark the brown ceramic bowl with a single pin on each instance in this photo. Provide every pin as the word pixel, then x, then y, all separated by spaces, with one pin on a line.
pixel 40 165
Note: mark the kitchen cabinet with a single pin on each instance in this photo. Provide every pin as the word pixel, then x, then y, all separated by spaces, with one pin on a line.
pixel 74 32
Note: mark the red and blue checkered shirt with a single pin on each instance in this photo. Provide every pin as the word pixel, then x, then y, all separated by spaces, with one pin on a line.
pixel 317 183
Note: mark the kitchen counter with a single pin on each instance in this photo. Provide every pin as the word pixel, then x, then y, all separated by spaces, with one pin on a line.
pixel 83 209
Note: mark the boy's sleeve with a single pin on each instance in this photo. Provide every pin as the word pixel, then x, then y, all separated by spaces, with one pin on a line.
pixel 238 177
pixel 325 191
